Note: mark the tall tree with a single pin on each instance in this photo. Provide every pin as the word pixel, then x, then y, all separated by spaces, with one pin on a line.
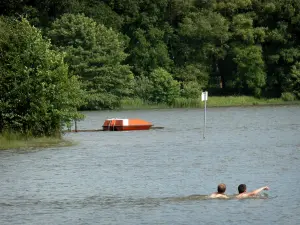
pixel 293 81
pixel 248 75
pixel 281 48
pixel 37 94
pixel 206 34
pixel 96 54
pixel 145 24
pixel 39 12
pixel 148 51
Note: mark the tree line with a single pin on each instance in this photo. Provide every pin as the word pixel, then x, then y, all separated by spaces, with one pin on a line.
pixel 60 56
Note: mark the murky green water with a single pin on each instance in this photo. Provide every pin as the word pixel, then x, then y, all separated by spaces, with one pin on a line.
pixel 161 176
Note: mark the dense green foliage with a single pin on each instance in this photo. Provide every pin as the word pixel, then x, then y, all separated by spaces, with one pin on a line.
pixel 159 51
pixel 95 53
pixel 37 95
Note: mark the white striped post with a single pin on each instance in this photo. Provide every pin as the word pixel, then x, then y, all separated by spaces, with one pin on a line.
pixel 204 98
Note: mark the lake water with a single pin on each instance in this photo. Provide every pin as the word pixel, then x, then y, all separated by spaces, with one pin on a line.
pixel 161 176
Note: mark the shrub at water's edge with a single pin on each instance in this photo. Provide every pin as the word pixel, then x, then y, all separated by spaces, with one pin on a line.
pixel 38 95
pixel 18 141
pixel 212 102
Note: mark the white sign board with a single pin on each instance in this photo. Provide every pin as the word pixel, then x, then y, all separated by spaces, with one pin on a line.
pixel 204 96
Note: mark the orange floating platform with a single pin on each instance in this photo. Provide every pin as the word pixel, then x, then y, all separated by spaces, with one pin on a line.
pixel 116 124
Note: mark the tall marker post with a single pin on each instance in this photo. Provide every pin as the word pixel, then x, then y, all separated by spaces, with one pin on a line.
pixel 204 98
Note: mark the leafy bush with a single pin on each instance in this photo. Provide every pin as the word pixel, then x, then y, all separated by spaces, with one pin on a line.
pixel 294 80
pixel 191 89
pixel 142 88
pixel 287 96
pixel 164 88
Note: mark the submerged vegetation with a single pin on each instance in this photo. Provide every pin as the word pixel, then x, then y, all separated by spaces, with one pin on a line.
pixel 60 57
pixel 17 141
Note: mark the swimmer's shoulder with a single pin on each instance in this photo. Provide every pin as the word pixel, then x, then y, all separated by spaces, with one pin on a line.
pixel 216 195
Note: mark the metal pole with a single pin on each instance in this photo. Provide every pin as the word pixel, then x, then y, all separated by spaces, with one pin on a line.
pixel 204 119
pixel 75 125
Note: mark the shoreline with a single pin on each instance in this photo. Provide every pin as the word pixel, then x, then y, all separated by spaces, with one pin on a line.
pixel 213 102
pixel 17 141
pixel 11 141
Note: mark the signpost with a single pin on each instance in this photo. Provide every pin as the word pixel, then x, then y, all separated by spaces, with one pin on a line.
pixel 204 98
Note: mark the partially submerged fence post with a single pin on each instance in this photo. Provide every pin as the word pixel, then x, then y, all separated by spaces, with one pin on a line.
pixel 75 125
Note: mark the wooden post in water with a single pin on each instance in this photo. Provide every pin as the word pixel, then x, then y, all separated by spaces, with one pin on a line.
pixel 75 125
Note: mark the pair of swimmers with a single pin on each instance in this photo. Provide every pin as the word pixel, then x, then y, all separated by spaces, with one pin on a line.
pixel 242 188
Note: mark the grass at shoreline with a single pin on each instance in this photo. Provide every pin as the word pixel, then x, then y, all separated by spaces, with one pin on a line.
pixel 16 141
pixel 213 101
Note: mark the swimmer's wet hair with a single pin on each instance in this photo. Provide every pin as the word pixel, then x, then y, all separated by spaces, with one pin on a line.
pixel 242 188
pixel 221 188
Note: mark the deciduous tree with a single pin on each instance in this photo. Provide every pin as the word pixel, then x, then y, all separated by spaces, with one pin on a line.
pixel 38 96
pixel 96 54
